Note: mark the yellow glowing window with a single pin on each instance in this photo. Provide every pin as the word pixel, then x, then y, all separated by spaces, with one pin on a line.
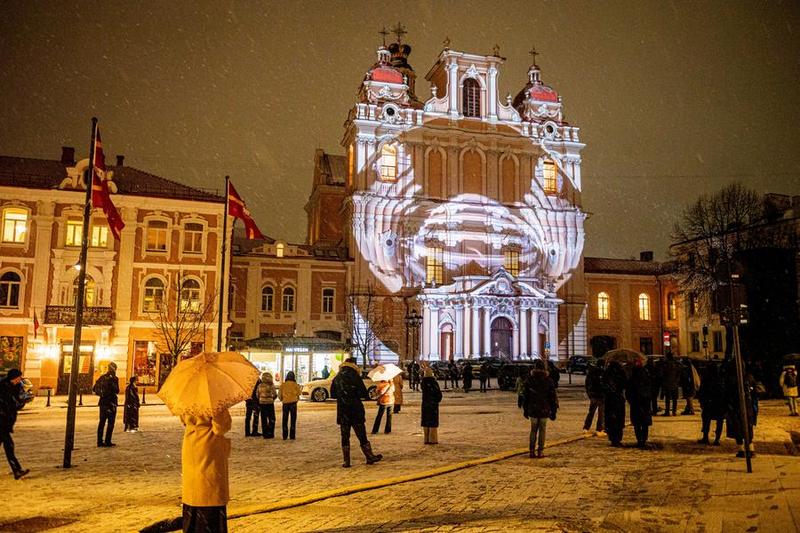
pixel 279 250
pixel 190 296
pixel 550 181
pixel 99 236
pixel 15 225
pixel 434 265
pixel 511 262
pixel 389 162
pixel 89 293
pixel 193 238
pixel 157 236
pixel 153 295
pixel 74 232
pixel 672 307
pixel 644 307
pixel 603 306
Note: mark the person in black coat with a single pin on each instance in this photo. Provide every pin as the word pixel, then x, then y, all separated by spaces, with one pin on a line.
pixel 688 387
pixel 107 387
pixel 252 410
pixel 466 376
pixel 431 396
pixel 712 402
pixel 595 392
pixel 348 389
pixel 553 372
pixel 452 369
pixel 733 420
pixel 670 382
pixel 10 403
pixel 614 381
pixel 483 375
pixel 653 369
pixel 130 416
pixel 540 402
pixel 638 396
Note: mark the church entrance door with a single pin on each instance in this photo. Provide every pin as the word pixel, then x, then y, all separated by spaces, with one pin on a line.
pixel 502 337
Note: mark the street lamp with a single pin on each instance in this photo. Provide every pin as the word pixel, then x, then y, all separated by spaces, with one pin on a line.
pixel 413 322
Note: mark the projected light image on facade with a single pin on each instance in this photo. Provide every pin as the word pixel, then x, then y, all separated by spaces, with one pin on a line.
pixel 466 208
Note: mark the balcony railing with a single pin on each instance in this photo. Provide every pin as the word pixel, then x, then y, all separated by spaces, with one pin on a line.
pixel 65 314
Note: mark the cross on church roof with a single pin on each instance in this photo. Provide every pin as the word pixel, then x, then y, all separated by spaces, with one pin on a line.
pixel 384 33
pixel 533 54
pixel 399 30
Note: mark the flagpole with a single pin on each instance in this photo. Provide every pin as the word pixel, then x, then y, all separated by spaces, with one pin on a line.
pixel 222 265
pixel 69 439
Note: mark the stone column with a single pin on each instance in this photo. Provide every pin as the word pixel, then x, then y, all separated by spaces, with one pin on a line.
pixel 535 349
pixel 515 342
pixel 434 342
pixel 452 89
pixel 459 332
pixel 491 100
pixel 467 330
pixel 426 331
pixel 552 333
pixel 487 330
pixel 475 349
pixel 523 332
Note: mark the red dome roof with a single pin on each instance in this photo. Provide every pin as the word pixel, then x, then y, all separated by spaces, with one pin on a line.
pixel 385 74
pixel 542 93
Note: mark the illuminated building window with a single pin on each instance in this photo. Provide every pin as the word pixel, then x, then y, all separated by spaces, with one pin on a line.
pixel 472 98
pixel 511 262
pixel 10 283
pixel 279 249
pixel 267 294
pixel 328 296
pixel 550 181
pixel 153 295
pixel 644 307
pixel 193 238
pixel 15 224
pixel 288 300
pixel 157 236
pixel 89 293
pixel 190 296
pixel 603 306
pixel 389 162
pixel 74 232
pixel 672 307
pixel 434 265
pixel 99 236
pixel 694 304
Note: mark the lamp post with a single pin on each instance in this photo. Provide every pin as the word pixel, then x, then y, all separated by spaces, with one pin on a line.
pixel 413 322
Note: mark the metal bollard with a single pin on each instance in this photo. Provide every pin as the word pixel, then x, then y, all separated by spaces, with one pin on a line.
pixel 48 398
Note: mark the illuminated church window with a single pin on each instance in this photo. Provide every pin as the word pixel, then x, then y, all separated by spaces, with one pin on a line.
pixel 644 307
pixel 389 162
pixel 472 98
pixel 511 262
pixel 550 182
pixel 602 306
pixel 434 267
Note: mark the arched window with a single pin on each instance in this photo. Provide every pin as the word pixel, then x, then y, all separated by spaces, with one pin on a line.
pixel 15 224
pixel 89 294
pixel 288 300
pixel 328 297
pixel 603 304
pixel 644 307
pixel 10 283
pixel 672 307
pixel 190 296
pixel 267 295
pixel 279 249
pixel 550 183
pixel 153 295
pixel 472 98
pixel 389 162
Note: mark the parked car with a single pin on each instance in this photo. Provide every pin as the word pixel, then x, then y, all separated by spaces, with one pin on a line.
pixel 440 369
pixel 509 372
pixel 577 364
pixel 27 389
pixel 319 390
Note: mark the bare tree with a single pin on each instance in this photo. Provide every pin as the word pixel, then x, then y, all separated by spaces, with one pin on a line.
pixel 365 322
pixel 182 316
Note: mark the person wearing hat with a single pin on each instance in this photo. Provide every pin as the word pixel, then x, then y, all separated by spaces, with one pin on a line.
pixel 107 387
pixel 788 382
pixel 10 403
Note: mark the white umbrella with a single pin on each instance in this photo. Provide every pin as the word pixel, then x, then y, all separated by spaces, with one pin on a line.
pixel 384 372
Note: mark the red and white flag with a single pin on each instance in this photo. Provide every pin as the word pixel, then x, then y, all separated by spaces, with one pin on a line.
pixel 35 324
pixel 101 196
pixel 237 209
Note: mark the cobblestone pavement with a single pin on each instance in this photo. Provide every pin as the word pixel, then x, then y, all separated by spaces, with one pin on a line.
pixel 583 486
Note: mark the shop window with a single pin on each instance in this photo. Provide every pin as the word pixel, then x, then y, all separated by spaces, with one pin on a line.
pixel 717 340
pixel 646 345
pixel 153 295
pixel 550 183
pixel 471 98
pixel 156 236
pixel 644 307
pixel 389 162
pixel 288 300
pixel 193 238
pixel 694 340
pixel 267 295
pixel 145 359
pixel 672 307
pixel 15 225
pixel 328 297
pixel 434 265
pixel 511 262
pixel 190 296
pixel 10 283
pixel 603 306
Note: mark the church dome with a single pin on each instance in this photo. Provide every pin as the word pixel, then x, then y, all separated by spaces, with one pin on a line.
pixel 537 101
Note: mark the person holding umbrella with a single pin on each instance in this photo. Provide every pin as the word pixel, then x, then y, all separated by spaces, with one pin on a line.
pixel 200 390
pixel 385 394
pixel 614 381
pixel 348 389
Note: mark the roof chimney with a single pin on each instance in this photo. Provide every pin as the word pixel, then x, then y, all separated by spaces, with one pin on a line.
pixel 646 256
pixel 68 156
pixel 120 160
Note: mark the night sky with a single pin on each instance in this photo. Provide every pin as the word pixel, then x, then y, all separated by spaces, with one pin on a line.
pixel 673 98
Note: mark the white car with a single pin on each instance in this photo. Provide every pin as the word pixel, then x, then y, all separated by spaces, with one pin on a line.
pixel 319 390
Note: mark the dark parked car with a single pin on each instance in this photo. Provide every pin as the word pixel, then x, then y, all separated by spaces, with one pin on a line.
pixel 440 370
pixel 27 389
pixel 577 364
pixel 508 373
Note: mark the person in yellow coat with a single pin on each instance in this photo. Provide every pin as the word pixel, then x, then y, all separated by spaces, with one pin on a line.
pixel 204 463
